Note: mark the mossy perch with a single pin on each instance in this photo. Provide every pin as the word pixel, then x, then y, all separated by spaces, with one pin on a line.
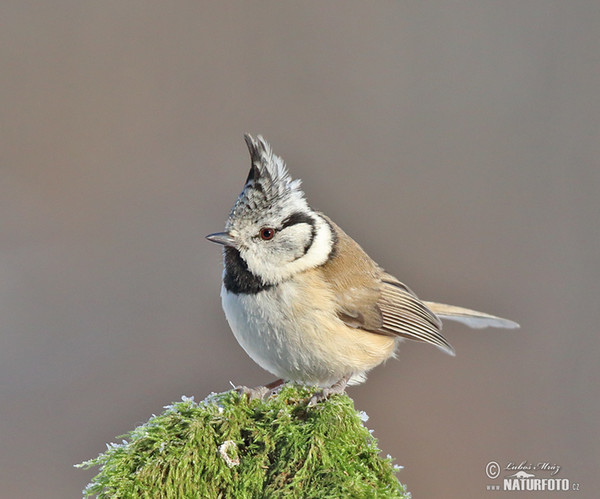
pixel 227 447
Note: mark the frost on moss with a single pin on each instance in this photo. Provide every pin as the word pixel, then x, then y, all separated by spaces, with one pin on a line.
pixel 228 447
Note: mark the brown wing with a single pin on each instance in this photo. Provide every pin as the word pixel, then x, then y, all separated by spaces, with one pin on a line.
pixel 374 301
pixel 407 316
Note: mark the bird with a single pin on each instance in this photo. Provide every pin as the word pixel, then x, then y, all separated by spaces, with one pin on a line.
pixel 304 300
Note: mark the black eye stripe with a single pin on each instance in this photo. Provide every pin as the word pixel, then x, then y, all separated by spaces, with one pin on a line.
pixel 298 218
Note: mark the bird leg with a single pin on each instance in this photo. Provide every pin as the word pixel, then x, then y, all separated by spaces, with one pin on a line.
pixel 260 392
pixel 337 388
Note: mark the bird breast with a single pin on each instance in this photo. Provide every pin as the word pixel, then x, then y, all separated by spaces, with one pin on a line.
pixel 292 330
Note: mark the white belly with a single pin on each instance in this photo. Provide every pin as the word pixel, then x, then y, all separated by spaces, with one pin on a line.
pixel 298 342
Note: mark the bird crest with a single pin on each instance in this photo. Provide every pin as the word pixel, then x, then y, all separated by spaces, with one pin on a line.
pixel 269 188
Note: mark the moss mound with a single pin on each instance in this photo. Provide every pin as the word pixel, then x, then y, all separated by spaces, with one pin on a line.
pixel 226 447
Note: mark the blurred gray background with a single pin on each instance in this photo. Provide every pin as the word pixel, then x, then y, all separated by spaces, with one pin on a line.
pixel 458 142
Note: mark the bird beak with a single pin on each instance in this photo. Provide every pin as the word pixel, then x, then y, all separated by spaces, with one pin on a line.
pixel 223 238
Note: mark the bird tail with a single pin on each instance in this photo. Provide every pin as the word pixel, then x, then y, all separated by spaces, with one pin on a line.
pixel 471 318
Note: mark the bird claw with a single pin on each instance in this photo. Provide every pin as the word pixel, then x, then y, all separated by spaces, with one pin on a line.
pixel 338 388
pixel 256 393
pixel 321 396
pixel 260 392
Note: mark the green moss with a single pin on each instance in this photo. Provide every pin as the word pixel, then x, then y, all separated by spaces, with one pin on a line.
pixel 227 447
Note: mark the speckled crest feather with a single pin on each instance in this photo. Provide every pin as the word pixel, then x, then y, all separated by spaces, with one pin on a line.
pixel 268 186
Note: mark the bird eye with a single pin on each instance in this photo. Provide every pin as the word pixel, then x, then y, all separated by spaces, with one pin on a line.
pixel 267 233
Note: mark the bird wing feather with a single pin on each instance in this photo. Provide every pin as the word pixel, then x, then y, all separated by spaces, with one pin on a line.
pixel 371 300
pixel 407 316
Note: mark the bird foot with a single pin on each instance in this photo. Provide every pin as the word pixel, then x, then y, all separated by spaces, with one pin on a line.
pixel 337 388
pixel 260 392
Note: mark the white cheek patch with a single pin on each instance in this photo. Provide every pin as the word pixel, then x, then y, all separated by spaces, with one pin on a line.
pixel 319 250
pixel 296 241
pixel 310 247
